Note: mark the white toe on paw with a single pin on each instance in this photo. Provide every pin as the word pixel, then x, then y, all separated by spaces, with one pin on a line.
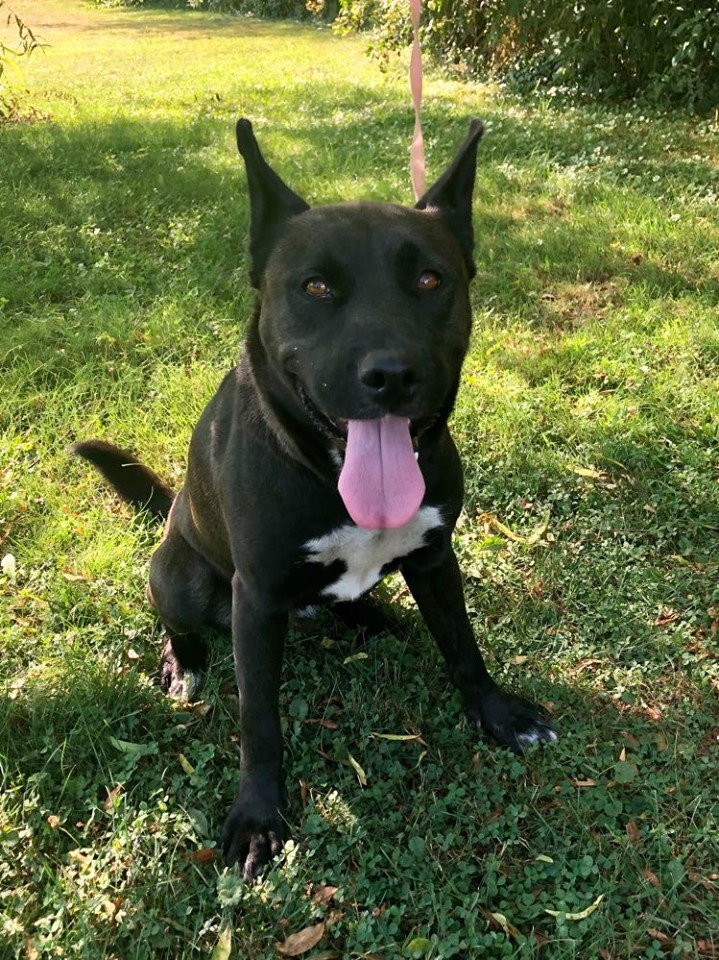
pixel 534 735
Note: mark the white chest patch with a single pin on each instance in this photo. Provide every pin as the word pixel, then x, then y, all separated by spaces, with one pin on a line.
pixel 365 552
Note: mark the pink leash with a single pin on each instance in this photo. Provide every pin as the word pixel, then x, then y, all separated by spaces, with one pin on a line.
pixel 416 150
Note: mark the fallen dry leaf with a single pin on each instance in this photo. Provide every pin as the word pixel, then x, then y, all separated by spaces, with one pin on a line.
pixel 200 708
pixel 223 947
pixel 205 855
pixel 499 921
pixel 185 763
pixel 302 941
pixel 588 472
pixel 706 949
pixel 584 665
pixel 361 775
pixel 579 915
pixel 109 802
pixel 652 878
pixel 633 831
pixel 323 894
pixel 399 737
pixel 662 937
pixel 666 615
pixel 31 950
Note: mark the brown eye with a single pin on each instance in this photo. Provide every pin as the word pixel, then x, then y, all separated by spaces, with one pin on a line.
pixel 428 280
pixel 316 287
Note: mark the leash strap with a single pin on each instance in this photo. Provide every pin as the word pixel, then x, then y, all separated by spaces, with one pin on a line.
pixel 416 150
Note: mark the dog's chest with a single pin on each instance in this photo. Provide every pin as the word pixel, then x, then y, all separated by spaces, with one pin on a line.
pixel 364 553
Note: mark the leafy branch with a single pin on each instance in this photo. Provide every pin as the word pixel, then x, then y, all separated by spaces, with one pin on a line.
pixel 25 44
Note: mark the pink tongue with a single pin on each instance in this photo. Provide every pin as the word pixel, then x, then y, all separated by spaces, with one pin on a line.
pixel 381 484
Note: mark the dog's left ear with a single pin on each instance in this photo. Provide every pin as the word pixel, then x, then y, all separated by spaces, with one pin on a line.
pixel 451 195
pixel 272 203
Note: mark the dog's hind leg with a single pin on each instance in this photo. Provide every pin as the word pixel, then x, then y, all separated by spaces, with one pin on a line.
pixel 190 597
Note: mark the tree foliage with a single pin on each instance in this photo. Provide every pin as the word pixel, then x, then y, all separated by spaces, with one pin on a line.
pixel 11 52
pixel 609 49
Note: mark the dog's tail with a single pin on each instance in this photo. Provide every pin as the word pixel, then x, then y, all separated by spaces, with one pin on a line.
pixel 134 482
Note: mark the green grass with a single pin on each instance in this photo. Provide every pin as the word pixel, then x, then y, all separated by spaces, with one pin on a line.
pixel 588 424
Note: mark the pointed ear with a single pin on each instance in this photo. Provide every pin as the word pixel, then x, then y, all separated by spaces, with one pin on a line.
pixel 272 203
pixel 451 195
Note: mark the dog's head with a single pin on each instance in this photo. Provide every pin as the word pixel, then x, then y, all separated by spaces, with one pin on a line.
pixel 364 320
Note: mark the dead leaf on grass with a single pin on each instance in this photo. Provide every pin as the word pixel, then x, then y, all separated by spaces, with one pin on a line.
pixel 108 803
pixel 324 894
pixel 652 713
pixel 662 937
pixel 666 615
pixel 633 831
pixel 361 775
pixel 205 855
pixel 185 764
pixel 31 950
pixel 302 941
pixel 223 947
pixel 707 949
pixel 581 914
pixel 400 737
pixel 200 707
pixel 589 473
pixel 499 921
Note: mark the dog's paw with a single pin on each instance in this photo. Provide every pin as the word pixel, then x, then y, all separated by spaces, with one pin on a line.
pixel 251 838
pixel 180 683
pixel 514 722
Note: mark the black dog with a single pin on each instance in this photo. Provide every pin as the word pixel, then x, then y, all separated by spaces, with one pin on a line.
pixel 324 461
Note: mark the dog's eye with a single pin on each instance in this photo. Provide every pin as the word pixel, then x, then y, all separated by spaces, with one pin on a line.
pixel 428 280
pixel 316 287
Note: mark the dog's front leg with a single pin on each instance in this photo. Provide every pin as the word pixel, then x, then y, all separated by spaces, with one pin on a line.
pixel 435 583
pixel 254 830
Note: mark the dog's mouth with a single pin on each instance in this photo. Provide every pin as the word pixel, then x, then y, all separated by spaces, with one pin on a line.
pixel 380 482
pixel 335 428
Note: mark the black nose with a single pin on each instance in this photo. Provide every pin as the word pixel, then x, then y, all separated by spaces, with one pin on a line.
pixel 389 377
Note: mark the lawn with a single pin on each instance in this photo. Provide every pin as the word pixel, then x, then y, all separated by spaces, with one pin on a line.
pixel 588 423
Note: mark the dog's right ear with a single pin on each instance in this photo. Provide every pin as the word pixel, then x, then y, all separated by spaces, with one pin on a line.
pixel 451 195
pixel 272 203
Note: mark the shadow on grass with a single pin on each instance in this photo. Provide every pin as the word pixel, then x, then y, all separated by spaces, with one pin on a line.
pixel 136 212
pixel 449 815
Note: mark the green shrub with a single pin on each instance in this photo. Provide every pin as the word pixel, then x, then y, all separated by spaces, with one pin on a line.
pixel 608 49
pixel 10 55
